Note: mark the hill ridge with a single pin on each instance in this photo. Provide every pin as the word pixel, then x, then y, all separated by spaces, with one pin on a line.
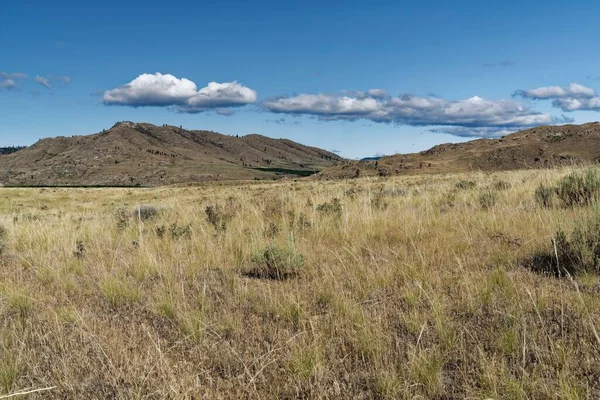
pixel 143 154
pixel 539 147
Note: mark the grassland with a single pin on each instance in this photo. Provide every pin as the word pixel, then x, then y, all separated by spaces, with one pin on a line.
pixel 408 287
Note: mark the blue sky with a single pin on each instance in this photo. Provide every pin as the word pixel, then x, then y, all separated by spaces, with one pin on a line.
pixel 450 71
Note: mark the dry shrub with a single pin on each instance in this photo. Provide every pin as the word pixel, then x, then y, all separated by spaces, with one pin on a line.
pixel 578 188
pixel 487 199
pixel 501 185
pixel 544 195
pixel 145 212
pixel 218 217
pixel 274 262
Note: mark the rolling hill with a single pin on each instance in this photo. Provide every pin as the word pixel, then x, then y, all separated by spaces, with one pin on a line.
pixel 540 147
pixel 141 154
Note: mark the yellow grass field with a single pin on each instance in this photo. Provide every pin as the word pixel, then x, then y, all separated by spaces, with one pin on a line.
pixel 407 287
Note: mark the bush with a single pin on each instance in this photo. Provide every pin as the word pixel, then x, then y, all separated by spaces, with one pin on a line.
pixel 276 263
pixel 576 253
pixel 487 199
pixel 334 207
pixel 145 212
pixel 122 215
pixel 394 192
pixel 378 201
pixel 178 231
pixel 578 188
pixel 544 195
pixel 79 249
pixel 3 238
pixel 217 217
pixel 501 185
pixel 464 185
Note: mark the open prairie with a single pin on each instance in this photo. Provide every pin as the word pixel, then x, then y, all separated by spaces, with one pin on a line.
pixel 431 287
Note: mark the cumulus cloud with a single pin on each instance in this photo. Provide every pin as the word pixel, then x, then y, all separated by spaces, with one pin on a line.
pixel 574 90
pixel 575 97
pixel 8 79
pixel 158 90
pixel 228 94
pixel 377 93
pixel 409 110
pixel 7 84
pixel 491 131
pixel 581 104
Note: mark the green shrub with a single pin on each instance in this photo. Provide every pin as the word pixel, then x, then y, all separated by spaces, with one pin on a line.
pixel 487 199
pixel 576 253
pixel 3 239
pixel 333 207
pixel 274 262
pixel 464 185
pixel 544 195
pixel 578 188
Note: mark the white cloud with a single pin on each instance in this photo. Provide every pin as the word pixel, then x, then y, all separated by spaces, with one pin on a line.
pixel 480 132
pixel 43 81
pixel 572 98
pixel 228 94
pixel 409 110
pixel 13 76
pixel 8 80
pixel 573 104
pixel 56 78
pixel 152 90
pixel 166 90
pixel 377 93
pixel 7 84
pixel 574 90
pixel 224 112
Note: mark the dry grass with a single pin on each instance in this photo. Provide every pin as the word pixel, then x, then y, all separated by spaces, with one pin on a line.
pixel 408 288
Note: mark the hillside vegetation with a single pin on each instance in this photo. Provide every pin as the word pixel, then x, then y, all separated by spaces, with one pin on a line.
pixel 536 148
pixel 439 287
pixel 141 154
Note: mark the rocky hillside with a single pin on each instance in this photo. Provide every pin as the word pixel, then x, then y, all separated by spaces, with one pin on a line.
pixel 541 147
pixel 140 154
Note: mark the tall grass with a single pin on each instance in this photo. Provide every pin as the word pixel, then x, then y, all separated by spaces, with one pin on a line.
pixel 427 293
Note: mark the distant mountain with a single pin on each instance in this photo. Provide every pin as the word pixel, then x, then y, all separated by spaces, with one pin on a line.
pixel 140 154
pixel 541 147
pixel 10 150
pixel 374 158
